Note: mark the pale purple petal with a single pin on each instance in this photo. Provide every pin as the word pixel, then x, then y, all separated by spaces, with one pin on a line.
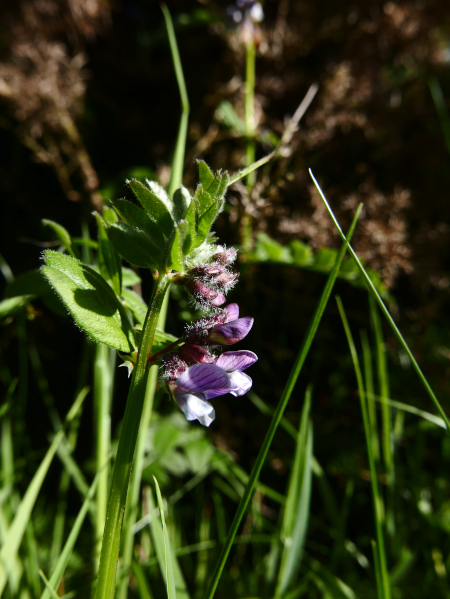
pixel 218 300
pixel 231 332
pixel 241 383
pixel 211 393
pixel 232 312
pixel 203 377
pixel 195 408
pixel 236 360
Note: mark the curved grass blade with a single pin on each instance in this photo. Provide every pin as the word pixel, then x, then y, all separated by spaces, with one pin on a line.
pixel 293 376
pixel 385 311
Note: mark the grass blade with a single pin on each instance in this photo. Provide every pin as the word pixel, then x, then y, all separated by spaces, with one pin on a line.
pixel 16 531
pixel 298 364
pixel 176 176
pixel 63 560
pixel 384 310
pixel 103 388
pixel 170 580
pixel 296 513
pixel 377 499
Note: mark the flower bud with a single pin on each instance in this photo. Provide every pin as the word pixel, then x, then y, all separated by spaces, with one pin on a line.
pixel 174 367
pixel 195 354
pixel 225 257
pixel 204 295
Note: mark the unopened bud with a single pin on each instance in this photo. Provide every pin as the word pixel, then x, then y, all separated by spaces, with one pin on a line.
pixel 195 354
pixel 205 295
pixel 174 366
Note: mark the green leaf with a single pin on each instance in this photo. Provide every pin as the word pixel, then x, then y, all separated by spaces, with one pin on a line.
pixel 206 221
pixel 174 249
pixel 205 174
pixel 138 219
pixel 109 215
pixel 90 300
pixel 324 259
pixel 135 304
pixel 108 260
pixel 155 202
pixel 62 234
pixel 205 201
pixel 192 220
pixel 130 277
pixel 134 246
pixel 228 116
pixel 181 202
pixel 216 185
pixel 10 306
pixel 302 253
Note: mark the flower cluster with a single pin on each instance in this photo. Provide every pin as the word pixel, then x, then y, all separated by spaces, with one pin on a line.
pixel 194 374
pixel 209 282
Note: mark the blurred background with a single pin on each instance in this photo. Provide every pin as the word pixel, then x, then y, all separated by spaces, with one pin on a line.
pixel 88 98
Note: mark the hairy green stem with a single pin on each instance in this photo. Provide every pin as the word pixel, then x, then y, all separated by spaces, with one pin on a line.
pixel 106 583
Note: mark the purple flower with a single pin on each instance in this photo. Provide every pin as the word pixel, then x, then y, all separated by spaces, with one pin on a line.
pixel 234 362
pixel 233 330
pixel 223 328
pixel 196 386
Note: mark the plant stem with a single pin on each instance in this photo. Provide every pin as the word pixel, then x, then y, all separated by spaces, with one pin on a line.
pixel 106 583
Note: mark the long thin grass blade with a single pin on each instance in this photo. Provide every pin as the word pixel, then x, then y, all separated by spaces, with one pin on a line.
pixel 296 513
pixel 159 545
pixel 385 311
pixel 16 531
pixel 176 176
pixel 63 560
pixel 377 499
pixel 168 565
pixel 293 376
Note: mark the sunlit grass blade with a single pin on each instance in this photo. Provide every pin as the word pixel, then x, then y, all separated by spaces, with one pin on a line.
pixel 48 587
pixel 384 310
pixel 168 565
pixel 176 176
pixel 63 560
pixel 249 169
pixel 103 389
pixel 376 497
pixel 296 512
pixel 14 535
pixel 159 545
pixel 298 364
